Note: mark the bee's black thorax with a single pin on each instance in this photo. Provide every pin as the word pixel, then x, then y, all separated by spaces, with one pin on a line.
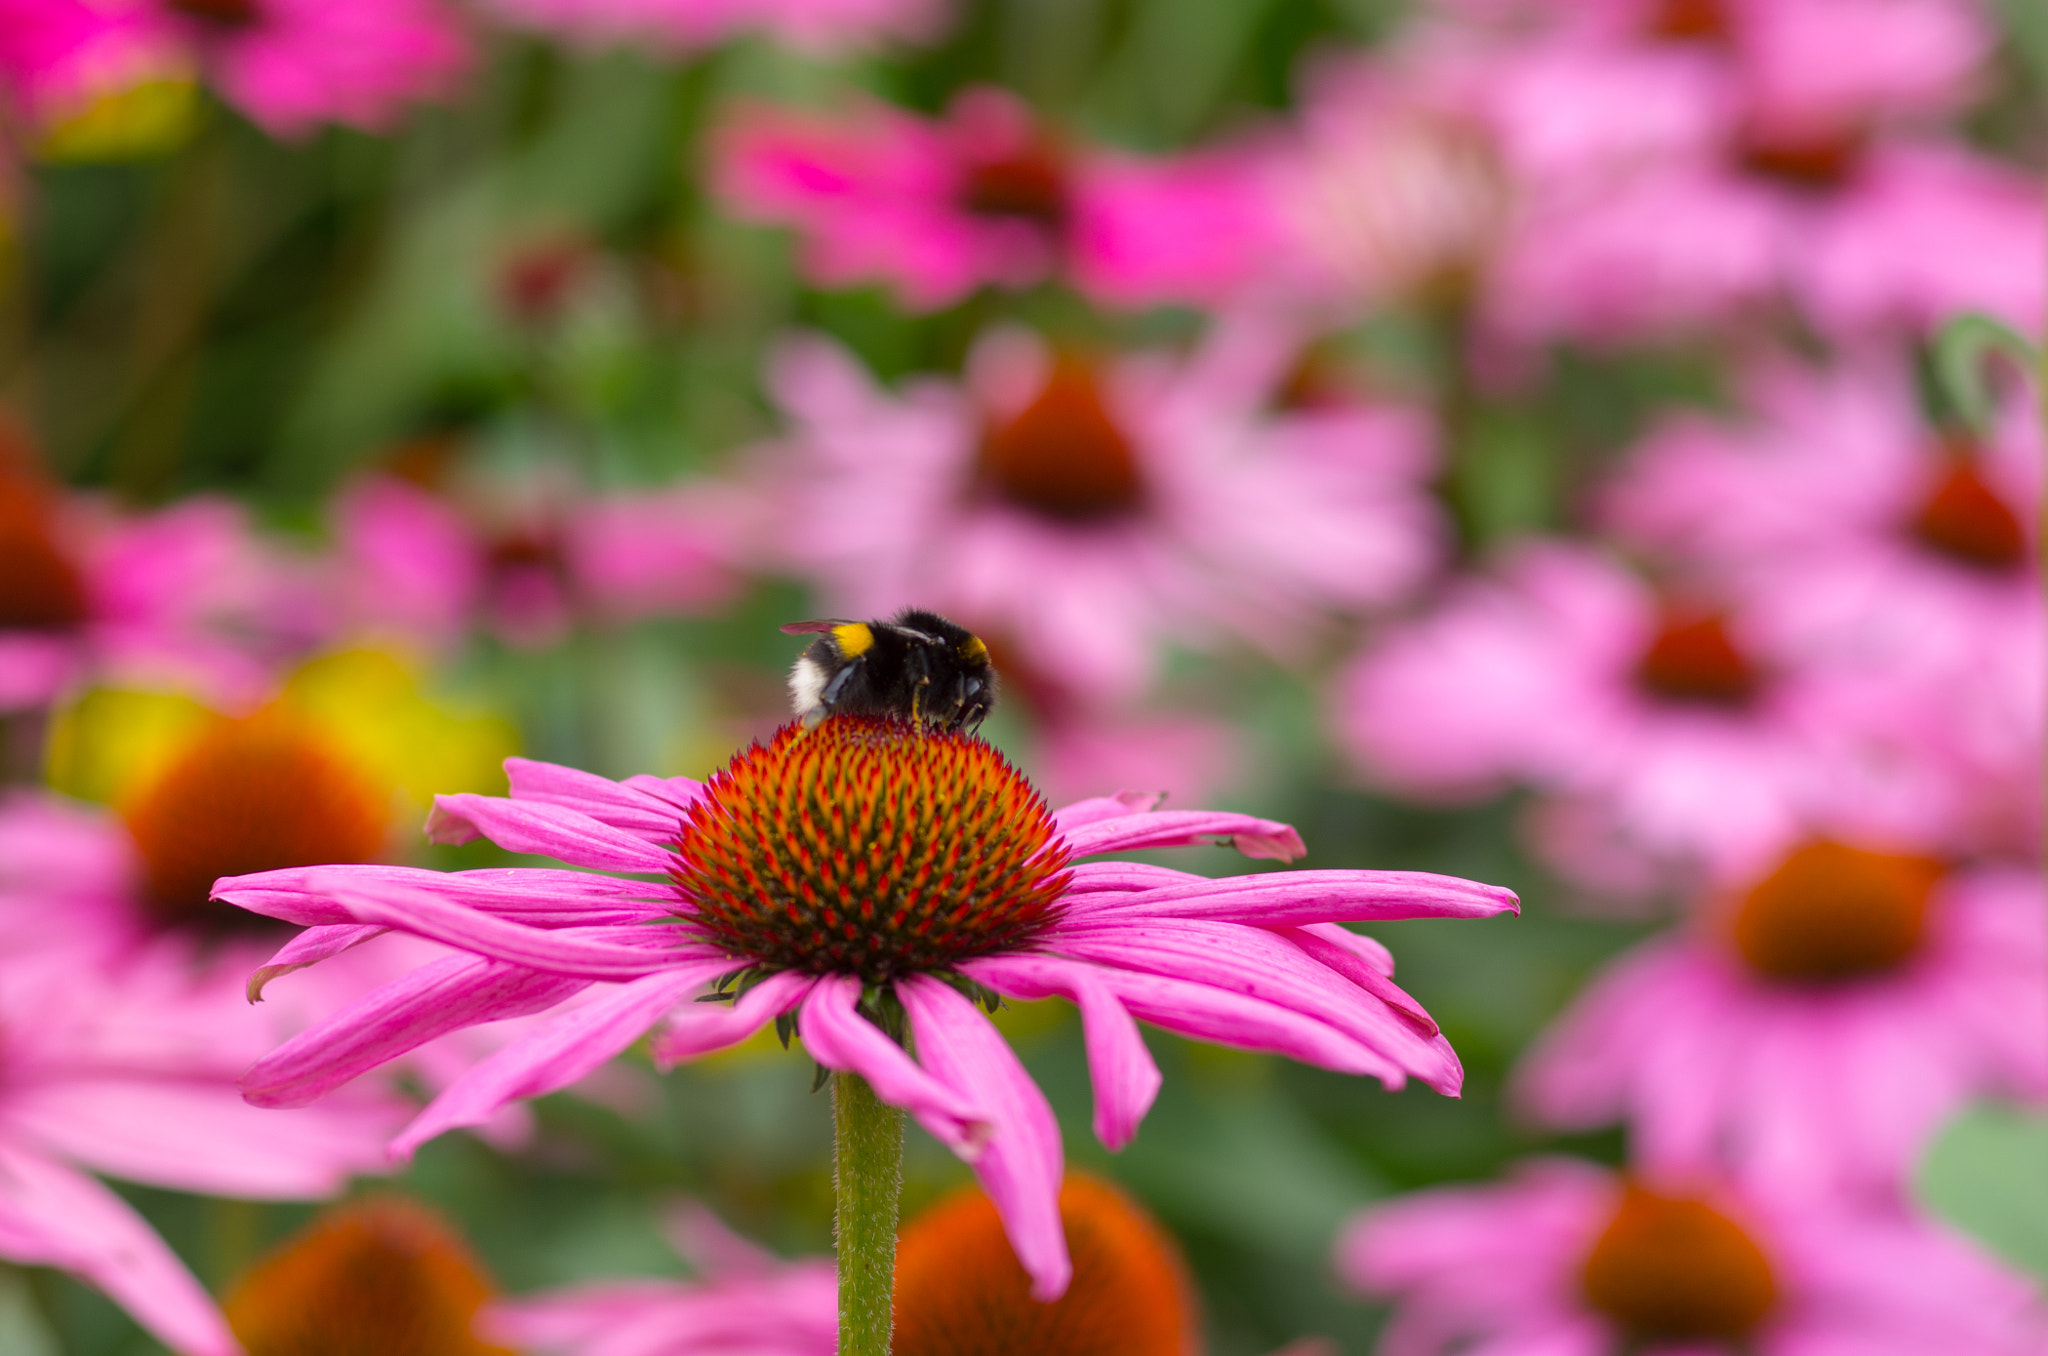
pixel 918 667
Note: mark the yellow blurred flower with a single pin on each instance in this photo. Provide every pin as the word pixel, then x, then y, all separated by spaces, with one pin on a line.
pixel 134 121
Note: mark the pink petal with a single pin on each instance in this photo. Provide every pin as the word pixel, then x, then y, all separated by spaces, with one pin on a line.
pixel 310 947
pixel 1098 808
pixel 537 896
pixel 1125 1077
pixel 1248 1023
pixel 437 998
pixel 53 1216
pixel 1330 944
pixel 646 807
pixel 558 1053
pixel 695 1029
pixel 1262 965
pixel 1023 1161
pixel 1086 878
pixel 1184 828
pixel 838 1037
pixel 613 951
pixel 545 830
pixel 201 1136
pixel 1283 898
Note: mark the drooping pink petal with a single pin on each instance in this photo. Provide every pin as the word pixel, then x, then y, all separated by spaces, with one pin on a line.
pixel 442 996
pixel 1369 966
pixel 646 807
pixel 546 830
pixel 612 951
pixel 838 1037
pixel 310 947
pixel 53 1216
pixel 1125 1078
pixel 1185 828
pixel 535 896
pixel 1284 898
pixel 1087 878
pixel 1094 810
pixel 1248 1023
pixel 1023 1161
pixel 201 1136
pixel 1266 966
pixel 558 1053
pixel 695 1029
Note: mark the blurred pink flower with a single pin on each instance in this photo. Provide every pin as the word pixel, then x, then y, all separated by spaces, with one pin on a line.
pixel 1253 961
pixel 1814 1025
pixel 1664 724
pixel 1085 515
pixel 1823 176
pixel 989 196
pixel 1567 1259
pixel 526 561
pixel 289 64
pixel 744 1301
pixel 135 1070
pixel 1863 539
pixel 1419 172
pixel 822 26
pixel 181 596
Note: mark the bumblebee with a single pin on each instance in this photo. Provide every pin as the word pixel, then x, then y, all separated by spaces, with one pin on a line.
pixel 918 667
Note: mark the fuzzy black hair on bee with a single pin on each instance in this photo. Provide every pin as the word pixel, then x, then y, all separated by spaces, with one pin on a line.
pixel 917 667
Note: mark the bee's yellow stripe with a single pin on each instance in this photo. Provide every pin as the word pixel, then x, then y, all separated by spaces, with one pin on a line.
pixel 854 639
pixel 973 650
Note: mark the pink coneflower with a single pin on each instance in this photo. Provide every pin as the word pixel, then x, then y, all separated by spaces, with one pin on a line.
pixel 856 878
pixel 177 595
pixel 291 65
pixel 1815 1024
pixel 1865 539
pixel 126 1072
pixel 824 26
pixel 1825 178
pixel 1567 1259
pixel 988 196
pixel 1664 724
pixel 525 560
pixel 958 1292
pixel 1087 514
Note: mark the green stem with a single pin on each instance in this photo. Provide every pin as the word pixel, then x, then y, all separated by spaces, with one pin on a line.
pixel 867 1173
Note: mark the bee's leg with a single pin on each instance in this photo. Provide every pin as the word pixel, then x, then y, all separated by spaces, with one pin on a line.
pixel 836 688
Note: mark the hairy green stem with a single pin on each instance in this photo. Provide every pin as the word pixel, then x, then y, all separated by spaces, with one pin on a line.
pixel 867 1174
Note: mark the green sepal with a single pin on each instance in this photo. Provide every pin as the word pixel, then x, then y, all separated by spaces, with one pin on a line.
pixel 785 1027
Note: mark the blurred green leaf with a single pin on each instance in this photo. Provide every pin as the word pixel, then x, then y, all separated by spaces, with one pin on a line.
pixel 1988 1175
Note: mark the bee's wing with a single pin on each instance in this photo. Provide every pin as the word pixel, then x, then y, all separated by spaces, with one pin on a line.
pixel 807 628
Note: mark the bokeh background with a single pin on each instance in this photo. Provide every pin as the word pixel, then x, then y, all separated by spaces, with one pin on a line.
pixel 1505 439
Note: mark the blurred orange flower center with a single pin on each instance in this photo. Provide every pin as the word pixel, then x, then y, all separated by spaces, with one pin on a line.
pixel 221 13
pixel 40 588
pixel 960 1291
pixel 1030 184
pixel 1811 159
pixel 1832 912
pixel 1063 455
pixel 1965 520
pixel 1689 19
pixel 1672 1269
pixel 380 1278
pixel 1693 659
pixel 869 845
pixel 256 794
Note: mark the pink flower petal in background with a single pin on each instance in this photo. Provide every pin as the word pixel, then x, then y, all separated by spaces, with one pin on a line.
pixel 1807 1086
pixel 1507 1267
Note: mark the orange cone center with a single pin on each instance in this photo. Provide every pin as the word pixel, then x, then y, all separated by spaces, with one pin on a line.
pixel 1832 912
pixel 1063 456
pixel 961 1292
pixel 1673 1269
pixel 257 794
pixel 869 845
